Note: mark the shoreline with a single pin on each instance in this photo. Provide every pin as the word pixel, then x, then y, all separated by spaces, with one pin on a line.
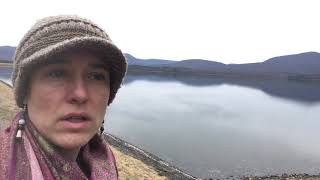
pixel 174 71
pixel 5 83
pixel 161 166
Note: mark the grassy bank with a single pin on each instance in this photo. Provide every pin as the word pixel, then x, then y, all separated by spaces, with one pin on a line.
pixel 129 167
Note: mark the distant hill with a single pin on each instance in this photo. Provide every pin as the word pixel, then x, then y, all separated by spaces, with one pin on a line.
pixel 6 52
pixel 304 63
pixel 307 63
pixel 146 62
pixel 199 64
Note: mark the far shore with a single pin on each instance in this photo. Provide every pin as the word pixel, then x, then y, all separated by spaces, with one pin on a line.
pixel 210 73
pixel 5 64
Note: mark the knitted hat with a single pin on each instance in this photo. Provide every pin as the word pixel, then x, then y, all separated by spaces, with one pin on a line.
pixel 51 36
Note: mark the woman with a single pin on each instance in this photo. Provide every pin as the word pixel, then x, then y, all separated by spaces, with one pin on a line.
pixel 66 72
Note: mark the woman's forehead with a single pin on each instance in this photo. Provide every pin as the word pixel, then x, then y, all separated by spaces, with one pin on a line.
pixel 74 57
pixel 75 60
pixel 80 55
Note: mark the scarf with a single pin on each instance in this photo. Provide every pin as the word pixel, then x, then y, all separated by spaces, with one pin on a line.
pixel 32 157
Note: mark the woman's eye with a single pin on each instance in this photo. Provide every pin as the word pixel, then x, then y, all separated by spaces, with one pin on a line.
pixel 56 74
pixel 97 76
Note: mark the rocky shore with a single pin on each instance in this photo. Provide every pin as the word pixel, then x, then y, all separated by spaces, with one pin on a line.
pixel 163 168
pixel 284 177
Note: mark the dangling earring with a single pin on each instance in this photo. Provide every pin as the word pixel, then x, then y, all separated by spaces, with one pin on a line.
pixel 21 123
pixel 102 128
pixel 25 108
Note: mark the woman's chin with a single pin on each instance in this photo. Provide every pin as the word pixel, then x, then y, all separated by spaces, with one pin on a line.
pixel 72 141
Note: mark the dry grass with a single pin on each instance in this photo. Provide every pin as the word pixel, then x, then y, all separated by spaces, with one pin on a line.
pixel 129 168
pixel 7 105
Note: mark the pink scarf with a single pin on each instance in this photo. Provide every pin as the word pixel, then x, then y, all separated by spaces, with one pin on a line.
pixel 33 157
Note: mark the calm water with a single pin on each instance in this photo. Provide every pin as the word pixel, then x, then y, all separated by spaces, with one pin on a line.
pixel 221 127
pixel 5 74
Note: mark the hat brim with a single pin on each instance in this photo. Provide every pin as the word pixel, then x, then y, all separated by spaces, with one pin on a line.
pixel 110 54
pixel 103 46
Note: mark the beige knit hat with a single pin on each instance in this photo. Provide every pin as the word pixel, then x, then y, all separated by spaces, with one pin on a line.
pixel 53 35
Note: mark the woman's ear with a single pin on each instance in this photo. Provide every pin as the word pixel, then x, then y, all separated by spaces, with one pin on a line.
pixel 27 95
pixel 26 99
pixel 25 104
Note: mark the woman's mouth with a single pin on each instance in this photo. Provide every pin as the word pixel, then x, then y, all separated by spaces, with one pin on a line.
pixel 76 118
pixel 76 121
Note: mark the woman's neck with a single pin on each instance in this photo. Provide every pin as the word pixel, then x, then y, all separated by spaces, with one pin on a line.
pixel 69 154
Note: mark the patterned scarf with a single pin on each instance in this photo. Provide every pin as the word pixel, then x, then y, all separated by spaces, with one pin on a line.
pixel 33 157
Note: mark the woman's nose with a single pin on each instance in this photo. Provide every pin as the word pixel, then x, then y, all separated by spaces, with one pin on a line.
pixel 78 91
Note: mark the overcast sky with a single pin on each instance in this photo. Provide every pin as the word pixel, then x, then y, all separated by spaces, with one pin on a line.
pixel 229 31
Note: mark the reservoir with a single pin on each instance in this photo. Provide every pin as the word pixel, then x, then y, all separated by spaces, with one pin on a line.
pixel 217 127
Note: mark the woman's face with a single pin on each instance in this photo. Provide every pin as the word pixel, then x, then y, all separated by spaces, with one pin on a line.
pixel 68 98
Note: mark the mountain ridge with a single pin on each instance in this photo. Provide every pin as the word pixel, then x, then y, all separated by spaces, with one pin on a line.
pixel 306 63
pixel 6 52
pixel 303 63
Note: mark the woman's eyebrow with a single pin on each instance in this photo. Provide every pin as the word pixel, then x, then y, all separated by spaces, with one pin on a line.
pixel 58 61
pixel 98 66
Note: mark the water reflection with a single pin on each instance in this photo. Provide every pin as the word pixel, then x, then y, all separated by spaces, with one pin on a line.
pixel 218 129
pixel 307 92
pixel 5 74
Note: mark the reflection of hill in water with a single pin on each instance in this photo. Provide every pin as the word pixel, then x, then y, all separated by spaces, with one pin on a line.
pixel 307 92
pixel 5 72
